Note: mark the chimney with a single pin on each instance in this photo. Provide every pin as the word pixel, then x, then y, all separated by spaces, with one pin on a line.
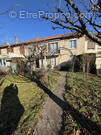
pixel 16 39
pixel 36 37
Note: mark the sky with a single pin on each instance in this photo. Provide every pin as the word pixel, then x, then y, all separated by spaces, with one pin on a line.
pixel 25 20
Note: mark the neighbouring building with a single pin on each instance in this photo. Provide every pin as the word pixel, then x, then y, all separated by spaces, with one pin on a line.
pixel 58 50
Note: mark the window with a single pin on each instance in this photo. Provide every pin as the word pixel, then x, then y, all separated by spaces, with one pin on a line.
pixel 53 47
pixel 9 50
pixel 72 44
pixel 22 50
pixel 53 61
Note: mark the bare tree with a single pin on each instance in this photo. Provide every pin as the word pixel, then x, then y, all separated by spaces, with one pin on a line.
pixel 82 17
pixel 36 52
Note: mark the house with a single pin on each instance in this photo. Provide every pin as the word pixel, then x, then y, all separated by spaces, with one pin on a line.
pixel 4 63
pixel 60 49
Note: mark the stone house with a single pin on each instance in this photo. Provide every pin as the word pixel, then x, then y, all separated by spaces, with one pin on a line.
pixel 60 49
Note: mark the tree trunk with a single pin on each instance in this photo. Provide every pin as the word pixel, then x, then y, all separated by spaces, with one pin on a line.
pixel 87 69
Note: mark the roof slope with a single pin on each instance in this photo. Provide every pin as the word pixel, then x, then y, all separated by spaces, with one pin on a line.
pixel 40 39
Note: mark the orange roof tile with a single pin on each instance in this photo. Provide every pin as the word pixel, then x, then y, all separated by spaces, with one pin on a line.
pixel 39 40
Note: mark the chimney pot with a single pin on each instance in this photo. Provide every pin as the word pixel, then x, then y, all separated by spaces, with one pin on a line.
pixel 16 38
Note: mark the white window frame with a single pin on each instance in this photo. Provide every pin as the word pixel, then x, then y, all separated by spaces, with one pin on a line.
pixel 72 46
pixel 54 50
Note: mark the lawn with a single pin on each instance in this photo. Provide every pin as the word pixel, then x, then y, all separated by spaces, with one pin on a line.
pixel 85 99
pixel 20 102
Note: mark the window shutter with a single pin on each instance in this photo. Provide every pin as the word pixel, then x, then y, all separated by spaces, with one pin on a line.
pixel 22 50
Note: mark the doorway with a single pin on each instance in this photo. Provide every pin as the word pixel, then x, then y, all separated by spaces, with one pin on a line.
pixel 37 63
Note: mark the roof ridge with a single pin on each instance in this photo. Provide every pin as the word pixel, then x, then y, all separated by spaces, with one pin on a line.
pixel 39 39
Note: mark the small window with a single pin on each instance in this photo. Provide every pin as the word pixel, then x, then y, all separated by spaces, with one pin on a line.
pixel 72 44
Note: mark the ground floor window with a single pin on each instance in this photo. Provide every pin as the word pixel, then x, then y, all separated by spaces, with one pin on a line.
pixel 53 61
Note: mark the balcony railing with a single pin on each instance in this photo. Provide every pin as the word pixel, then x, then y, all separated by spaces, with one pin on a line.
pixel 54 52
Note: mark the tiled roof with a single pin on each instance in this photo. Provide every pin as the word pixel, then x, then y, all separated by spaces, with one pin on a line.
pixel 40 39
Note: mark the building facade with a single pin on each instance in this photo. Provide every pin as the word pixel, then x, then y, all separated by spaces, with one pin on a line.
pixel 60 50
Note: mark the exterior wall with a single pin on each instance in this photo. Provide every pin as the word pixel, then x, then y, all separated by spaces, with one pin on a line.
pixel 26 51
pixel 90 50
pixel 3 51
pixel 80 46
pixel 64 55
pixel 17 52
pixel 97 51
pixel 98 59
pixel 2 63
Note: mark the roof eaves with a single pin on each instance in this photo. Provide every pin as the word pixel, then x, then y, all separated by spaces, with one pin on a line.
pixel 68 35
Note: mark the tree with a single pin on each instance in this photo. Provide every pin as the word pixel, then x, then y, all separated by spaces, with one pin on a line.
pixel 82 17
pixel 36 52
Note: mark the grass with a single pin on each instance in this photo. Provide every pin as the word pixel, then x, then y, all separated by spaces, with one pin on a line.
pixel 85 97
pixel 30 98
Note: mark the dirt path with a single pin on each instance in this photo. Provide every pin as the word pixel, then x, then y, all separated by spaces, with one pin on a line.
pixel 50 121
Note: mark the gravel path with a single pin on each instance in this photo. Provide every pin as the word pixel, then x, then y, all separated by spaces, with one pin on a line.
pixel 50 121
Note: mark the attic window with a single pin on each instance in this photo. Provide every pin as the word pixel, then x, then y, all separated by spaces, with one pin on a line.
pixel 91 45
